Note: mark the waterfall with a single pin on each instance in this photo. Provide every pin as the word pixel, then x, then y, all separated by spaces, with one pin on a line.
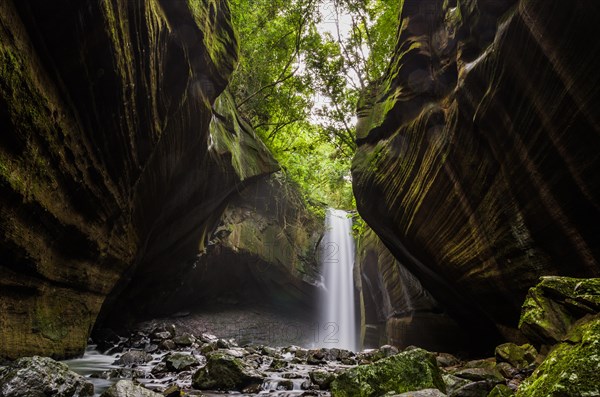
pixel 337 327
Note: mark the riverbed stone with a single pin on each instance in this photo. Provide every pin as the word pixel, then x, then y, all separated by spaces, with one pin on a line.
pixel 501 391
pixel 126 388
pixel 422 393
pixel 134 357
pixel 180 362
pixel 41 376
pixel 223 372
pixel 184 340
pixel 407 371
pixel 322 378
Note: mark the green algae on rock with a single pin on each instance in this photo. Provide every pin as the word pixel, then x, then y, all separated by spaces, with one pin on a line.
pixel 517 356
pixel 553 305
pixel 410 370
pixel 572 368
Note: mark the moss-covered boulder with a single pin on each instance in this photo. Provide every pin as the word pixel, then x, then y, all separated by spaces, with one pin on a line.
pixel 42 376
pixel 501 391
pixel 224 372
pixel 407 371
pixel 552 306
pixel 517 356
pixel 572 368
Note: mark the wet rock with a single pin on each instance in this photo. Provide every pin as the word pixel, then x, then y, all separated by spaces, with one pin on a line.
pixel 158 336
pixel 480 374
pixel 42 376
pixel 134 357
pixel 518 356
pixel 474 389
pixel 184 340
pixel 223 344
pixel 501 391
pixel 285 384
pixel 180 362
pixel 446 360
pixel 315 357
pixel 507 370
pixel 305 385
pixel 173 391
pixel 207 338
pixel 422 393
pixel 322 379
pixel 454 383
pixel 209 347
pixel 269 351
pixel 223 372
pixel 126 388
pixel 119 373
pixel 237 352
pixel 254 360
pixel 167 345
pixel 278 364
pixel 106 339
pixel 407 371
pixel 151 348
pixel 252 389
pixel 572 368
pixel 388 350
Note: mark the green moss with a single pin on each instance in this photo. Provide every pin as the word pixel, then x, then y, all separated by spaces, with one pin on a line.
pixel 407 371
pixel 572 368
pixel 517 356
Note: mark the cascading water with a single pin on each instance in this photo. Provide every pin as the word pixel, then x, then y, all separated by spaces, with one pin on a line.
pixel 337 327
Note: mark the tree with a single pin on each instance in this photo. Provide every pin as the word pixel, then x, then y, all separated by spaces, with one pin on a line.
pixel 299 85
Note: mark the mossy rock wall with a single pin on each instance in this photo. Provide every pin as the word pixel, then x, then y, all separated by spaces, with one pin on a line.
pixel 478 152
pixel 106 165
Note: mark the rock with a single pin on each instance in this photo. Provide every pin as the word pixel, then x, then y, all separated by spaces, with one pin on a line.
pixel 185 340
pixel 388 350
pixel 422 393
pixel 553 305
pixel 270 351
pixel 223 372
pixel 407 371
pixel 180 362
pixel 161 335
pixel 480 374
pixel 278 364
pixel 285 384
pixel 42 376
pixel 151 348
pixel 316 357
pixel 501 391
pixel 454 383
pixel 134 357
pixel 209 347
pixel 322 379
pixel 126 388
pixel 223 344
pixel 446 360
pixel 173 391
pixel 448 130
pixel 474 389
pixel 572 368
pixel 518 356
pixel 207 338
pixel 167 345
pixel 507 370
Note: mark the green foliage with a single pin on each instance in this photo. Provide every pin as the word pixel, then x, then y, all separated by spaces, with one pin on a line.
pixel 299 85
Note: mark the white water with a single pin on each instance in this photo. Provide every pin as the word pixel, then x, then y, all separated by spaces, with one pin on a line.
pixel 337 327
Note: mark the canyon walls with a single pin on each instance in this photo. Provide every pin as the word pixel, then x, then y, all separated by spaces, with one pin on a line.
pixel 479 150
pixel 107 164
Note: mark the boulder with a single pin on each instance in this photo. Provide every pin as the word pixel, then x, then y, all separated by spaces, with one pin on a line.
pixel 572 368
pixel 180 362
pixel 322 379
pixel 411 370
pixel 126 388
pixel 224 372
pixel 517 356
pixel 184 340
pixel 554 304
pixel 134 357
pixel 42 376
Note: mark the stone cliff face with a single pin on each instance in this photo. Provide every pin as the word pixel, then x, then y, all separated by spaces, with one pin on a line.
pixel 106 161
pixel 478 152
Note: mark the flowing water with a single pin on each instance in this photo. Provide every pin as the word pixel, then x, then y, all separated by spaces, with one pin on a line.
pixel 337 327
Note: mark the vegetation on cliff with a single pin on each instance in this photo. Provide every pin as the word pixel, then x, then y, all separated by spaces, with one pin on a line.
pixel 302 67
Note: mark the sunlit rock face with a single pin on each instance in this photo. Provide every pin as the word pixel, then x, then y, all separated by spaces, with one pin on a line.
pixel 106 166
pixel 478 152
